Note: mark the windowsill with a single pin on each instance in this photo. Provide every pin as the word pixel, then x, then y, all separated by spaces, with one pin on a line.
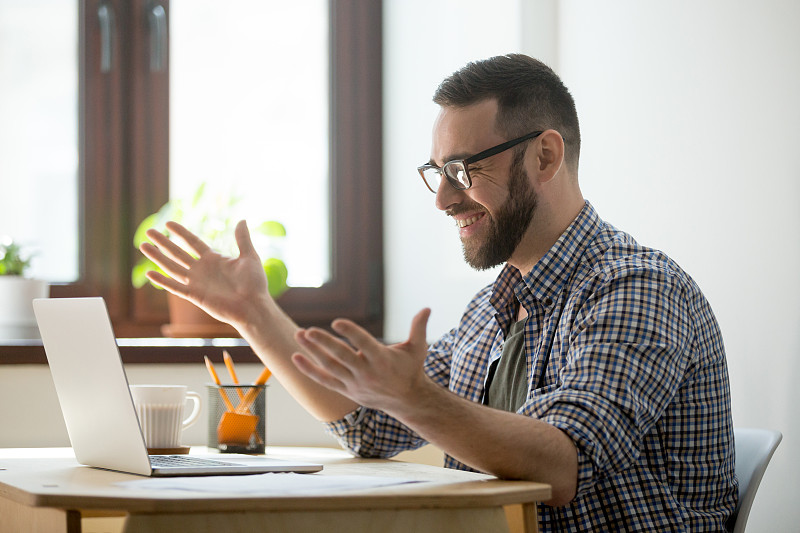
pixel 139 351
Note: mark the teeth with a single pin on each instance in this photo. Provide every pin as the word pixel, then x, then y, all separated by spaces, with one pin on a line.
pixel 467 222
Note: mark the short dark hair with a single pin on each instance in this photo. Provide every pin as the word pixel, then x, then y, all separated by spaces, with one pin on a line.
pixel 529 94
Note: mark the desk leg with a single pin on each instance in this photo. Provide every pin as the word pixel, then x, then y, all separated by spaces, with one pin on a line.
pixel 15 517
pixel 522 518
pixel 488 520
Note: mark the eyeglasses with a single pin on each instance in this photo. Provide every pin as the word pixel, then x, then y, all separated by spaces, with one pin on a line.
pixel 457 170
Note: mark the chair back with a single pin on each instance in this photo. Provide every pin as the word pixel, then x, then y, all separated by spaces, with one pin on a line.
pixel 754 449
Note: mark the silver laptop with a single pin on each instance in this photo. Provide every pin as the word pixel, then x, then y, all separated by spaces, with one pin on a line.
pixel 97 405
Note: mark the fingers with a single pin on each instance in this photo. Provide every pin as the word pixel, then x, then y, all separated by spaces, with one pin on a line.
pixel 327 359
pixel 194 242
pixel 162 247
pixel 168 283
pixel 328 351
pixel 317 373
pixel 358 336
pixel 170 266
pixel 363 341
pixel 365 370
pixel 172 258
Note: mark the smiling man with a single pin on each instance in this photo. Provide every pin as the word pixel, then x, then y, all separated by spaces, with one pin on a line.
pixel 592 363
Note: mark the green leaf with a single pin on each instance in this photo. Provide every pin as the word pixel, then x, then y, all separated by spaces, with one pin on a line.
pixel 139 271
pixel 272 228
pixel 140 236
pixel 12 260
pixel 277 274
pixel 212 217
pixel 198 194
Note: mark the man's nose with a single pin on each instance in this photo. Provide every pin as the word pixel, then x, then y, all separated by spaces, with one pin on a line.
pixel 447 195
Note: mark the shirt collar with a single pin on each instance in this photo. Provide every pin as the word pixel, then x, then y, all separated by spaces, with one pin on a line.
pixel 549 275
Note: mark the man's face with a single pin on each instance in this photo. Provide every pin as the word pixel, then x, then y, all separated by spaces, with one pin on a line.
pixel 494 214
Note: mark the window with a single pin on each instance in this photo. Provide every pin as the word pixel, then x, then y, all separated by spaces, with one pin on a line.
pixel 245 112
pixel 122 160
pixel 39 115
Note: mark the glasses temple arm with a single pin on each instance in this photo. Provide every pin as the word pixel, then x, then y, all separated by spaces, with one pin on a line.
pixel 501 147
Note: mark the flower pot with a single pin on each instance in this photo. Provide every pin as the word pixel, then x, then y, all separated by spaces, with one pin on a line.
pixel 188 320
pixel 17 320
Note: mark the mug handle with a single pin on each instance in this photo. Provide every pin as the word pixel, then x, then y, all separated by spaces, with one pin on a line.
pixel 192 418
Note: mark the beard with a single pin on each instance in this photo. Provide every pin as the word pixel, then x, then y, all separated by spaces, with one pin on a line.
pixel 509 225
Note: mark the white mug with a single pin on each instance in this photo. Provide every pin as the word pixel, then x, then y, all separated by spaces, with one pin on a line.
pixel 160 409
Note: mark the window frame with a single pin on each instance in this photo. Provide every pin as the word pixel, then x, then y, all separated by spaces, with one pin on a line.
pixel 124 168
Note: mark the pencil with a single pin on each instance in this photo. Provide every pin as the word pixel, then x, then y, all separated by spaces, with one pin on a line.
pixel 232 371
pixel 249 398
pixel 215 377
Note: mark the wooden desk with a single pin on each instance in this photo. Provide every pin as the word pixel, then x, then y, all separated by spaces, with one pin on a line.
pixel 45 490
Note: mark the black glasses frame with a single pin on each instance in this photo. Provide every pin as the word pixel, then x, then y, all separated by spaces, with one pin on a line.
pixel 451 169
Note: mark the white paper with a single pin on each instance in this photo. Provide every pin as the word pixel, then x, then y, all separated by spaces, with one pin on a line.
pixel 277 484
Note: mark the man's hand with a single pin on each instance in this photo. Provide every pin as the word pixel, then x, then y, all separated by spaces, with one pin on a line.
pixel 365 370
pixel 392 379
pixel 226 288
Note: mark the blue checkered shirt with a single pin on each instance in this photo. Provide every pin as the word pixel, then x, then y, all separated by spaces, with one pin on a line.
pixel 636 376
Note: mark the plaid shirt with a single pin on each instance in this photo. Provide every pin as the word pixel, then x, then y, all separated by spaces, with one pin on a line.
pixel 636 376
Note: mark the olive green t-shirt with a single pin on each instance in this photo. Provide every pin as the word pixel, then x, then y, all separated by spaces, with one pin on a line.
pixel 507 385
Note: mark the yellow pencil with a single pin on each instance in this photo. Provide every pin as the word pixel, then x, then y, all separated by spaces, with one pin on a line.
pixel 249 398
pixel 215 377
pixel 232 371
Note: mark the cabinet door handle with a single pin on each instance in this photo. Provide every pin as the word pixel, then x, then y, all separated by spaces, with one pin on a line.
pixel 105 16
pixel 157 17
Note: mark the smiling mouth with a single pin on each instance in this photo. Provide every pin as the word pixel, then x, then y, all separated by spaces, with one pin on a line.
pixel 464 222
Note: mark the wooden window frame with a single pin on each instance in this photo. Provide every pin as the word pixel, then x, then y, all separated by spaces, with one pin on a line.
pixel 124 125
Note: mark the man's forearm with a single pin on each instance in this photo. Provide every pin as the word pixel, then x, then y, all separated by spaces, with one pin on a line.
pixel 504 444
pixel 392 379
pixel 270 332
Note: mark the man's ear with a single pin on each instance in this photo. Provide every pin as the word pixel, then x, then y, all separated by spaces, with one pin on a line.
pixel 549 155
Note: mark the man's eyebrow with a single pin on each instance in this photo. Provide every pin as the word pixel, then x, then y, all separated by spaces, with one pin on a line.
pixel 451 157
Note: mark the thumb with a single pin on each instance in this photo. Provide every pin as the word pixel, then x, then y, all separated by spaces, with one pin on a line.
pixel 419 327
pixel 243 241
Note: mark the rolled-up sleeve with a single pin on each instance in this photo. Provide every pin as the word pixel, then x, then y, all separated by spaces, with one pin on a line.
pixel 625 353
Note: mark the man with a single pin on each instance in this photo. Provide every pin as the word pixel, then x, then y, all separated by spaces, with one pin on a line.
pixel 592 363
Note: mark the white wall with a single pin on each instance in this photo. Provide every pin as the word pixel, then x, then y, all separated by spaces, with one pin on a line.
pixel 690 117
pixel 691 127
pixel 425 41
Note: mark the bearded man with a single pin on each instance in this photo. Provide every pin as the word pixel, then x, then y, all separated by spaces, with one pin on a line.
pixel 592 363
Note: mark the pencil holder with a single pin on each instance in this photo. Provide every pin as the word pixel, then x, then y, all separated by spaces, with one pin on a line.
pixel 237 418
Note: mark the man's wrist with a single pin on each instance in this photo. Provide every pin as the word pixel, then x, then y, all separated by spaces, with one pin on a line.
pixel 420 403
pixel 260 315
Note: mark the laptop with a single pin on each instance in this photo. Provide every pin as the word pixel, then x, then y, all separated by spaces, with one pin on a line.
pixel 97 405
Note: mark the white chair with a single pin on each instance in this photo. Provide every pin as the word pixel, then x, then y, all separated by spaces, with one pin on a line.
pixel 754 449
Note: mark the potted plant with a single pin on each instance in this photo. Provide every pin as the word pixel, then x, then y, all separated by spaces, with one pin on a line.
pixel 212 217
pixel 17 291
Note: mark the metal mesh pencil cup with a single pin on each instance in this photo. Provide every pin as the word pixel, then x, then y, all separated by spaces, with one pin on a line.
pixel 222 422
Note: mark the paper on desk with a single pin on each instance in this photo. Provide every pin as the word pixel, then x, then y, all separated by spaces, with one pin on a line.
pixel 272 484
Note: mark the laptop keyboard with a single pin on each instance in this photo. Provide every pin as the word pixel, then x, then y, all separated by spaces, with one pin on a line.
pixel 161 461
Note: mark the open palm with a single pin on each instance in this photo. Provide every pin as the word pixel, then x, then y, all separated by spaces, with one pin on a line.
pixel 225 287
